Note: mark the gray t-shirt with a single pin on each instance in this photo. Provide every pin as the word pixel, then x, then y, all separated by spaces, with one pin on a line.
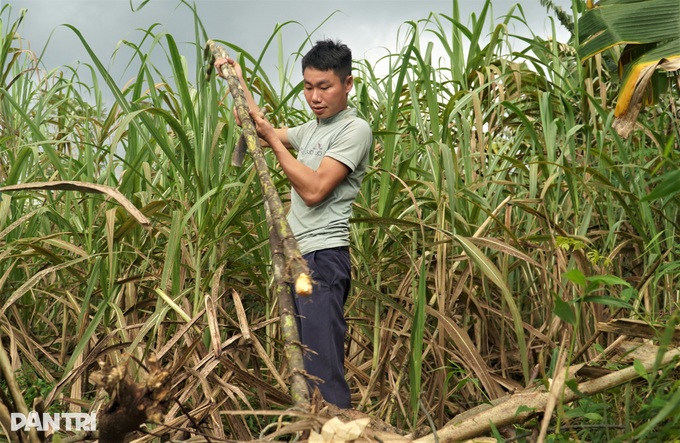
pixel 347 139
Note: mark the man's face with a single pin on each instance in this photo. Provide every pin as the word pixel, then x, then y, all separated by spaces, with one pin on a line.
pixel 325 93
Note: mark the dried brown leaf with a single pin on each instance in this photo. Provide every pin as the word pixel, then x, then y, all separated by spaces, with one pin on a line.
pixel 84 187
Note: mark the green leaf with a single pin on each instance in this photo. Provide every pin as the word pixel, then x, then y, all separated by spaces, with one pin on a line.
pixel 576 276
pixel 669 185
pixel 417 335
pixel 609 301
pixel 524 408
pixel 609 280
pixel 494 431
pixel 594 416
pixel 628 294
pixel 564 311
pixel 573 385
pixel 141 5
pixel 640 369
pixel 668 411
pixel 624 21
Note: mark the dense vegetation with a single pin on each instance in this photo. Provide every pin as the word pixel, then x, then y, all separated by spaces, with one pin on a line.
pixel 501 220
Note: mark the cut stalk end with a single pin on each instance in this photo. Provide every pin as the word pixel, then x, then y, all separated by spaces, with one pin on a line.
pixel 303 284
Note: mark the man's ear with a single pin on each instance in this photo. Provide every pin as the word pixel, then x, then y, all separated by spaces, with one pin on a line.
pixel 349 83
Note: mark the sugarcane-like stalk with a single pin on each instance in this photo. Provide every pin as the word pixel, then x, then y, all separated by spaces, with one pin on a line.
pixel 286 258
pixel 296 266
pixel 292 346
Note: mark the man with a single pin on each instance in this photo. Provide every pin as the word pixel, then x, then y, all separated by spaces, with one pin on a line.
pixel 325 177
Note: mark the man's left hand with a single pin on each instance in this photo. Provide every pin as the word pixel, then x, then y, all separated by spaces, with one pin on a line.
pixel 264 128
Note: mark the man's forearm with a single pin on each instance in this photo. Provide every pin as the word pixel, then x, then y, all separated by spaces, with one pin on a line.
pixel 299 175
pixel 250 100
pixel 312 185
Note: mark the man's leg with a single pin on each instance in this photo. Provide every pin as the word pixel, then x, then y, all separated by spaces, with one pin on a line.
pixel 321 322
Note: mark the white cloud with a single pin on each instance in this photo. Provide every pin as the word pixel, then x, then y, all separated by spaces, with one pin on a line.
pixel 367 26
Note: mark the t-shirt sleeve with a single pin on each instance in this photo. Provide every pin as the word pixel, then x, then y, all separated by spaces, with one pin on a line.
pixel 352 144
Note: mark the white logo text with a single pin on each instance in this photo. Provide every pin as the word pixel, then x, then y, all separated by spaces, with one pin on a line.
pixel 71 421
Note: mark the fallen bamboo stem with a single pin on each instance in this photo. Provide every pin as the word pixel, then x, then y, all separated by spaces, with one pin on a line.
pixel 534 402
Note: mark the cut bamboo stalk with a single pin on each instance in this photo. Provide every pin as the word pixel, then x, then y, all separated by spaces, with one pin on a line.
pixel 636 328
pixel 287 260
pixel 296 266
pixel 292 347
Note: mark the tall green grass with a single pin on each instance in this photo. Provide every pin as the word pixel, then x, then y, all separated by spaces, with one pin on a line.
pixel 498 205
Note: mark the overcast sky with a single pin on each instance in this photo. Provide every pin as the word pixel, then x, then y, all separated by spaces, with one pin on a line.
pixel 366 26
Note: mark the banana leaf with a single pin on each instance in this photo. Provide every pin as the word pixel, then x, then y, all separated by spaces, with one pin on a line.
pixel 636 81
pixel 616 22
pixel 650 29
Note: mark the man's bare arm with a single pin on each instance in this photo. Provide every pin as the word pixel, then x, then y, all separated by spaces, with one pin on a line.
pixel 312 185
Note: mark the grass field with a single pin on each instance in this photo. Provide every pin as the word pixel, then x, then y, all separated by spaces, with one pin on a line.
pixel 501 220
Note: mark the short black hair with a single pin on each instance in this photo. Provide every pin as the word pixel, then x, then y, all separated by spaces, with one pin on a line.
pixel 328 55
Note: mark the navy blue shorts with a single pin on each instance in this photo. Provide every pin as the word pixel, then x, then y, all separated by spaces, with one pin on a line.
pixel 321 322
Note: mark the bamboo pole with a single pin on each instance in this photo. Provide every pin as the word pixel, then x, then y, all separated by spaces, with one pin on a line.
pixel 287 260
pixel 296 267
pixel 292 346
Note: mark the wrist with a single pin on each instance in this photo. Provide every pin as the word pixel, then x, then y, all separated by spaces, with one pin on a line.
pixel 276 145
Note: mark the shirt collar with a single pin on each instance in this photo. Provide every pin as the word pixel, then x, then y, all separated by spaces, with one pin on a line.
pixel 347 112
